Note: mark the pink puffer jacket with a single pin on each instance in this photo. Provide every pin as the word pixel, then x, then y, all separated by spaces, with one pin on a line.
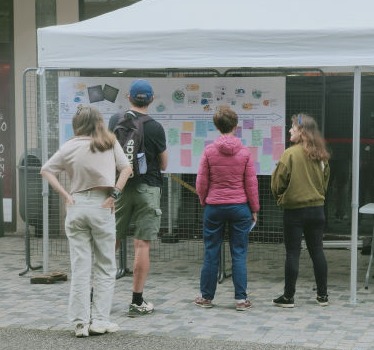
pixel 227 175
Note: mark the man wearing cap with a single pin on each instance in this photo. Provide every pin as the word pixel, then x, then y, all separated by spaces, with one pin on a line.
pixel 140 200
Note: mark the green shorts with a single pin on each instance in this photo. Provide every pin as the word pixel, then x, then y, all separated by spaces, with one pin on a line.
pixel 139 204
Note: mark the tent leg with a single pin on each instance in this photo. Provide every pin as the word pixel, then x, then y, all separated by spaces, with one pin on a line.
pixel 355 179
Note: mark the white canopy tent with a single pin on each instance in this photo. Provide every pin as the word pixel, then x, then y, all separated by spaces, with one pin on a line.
pixel 329 35
pixel 211 33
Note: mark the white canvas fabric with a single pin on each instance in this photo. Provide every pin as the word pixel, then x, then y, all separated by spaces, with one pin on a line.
pixel 211 33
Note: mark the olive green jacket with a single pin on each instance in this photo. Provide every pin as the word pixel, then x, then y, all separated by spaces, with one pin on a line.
pixel 299 182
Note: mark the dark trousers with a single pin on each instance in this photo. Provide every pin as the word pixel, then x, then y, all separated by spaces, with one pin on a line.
pixel 311 222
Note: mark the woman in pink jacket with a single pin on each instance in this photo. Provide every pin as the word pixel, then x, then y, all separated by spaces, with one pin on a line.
pixel 228 189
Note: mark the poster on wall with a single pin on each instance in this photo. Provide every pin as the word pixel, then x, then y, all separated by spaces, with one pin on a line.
pixel 185 107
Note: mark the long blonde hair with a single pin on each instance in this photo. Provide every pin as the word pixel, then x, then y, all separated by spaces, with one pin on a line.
pixel 310 137
pixel 88 121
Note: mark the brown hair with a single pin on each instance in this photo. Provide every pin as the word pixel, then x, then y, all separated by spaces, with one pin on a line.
pixel 225 119
pixel 140 103
pixel 310 137
pixel 88 121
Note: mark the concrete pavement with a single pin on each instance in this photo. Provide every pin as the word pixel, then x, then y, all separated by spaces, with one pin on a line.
pixel 35 311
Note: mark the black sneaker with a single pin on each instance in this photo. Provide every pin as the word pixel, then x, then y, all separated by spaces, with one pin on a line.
pixel 282 301
pixel 323 300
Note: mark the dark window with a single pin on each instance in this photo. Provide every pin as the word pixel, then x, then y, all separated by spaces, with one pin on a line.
pixel 45 13
pixel 93 8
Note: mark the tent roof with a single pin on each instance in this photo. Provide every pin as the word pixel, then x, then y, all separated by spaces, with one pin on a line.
pixel 215 33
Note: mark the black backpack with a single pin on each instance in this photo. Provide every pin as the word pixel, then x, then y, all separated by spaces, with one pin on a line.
pixel 129 133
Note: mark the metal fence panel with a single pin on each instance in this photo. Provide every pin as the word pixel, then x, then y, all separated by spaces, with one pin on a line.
pixel 181 229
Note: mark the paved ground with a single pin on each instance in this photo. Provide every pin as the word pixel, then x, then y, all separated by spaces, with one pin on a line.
pixel 40 310
pixel 13 339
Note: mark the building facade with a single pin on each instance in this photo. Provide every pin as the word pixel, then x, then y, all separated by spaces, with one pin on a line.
pixel 19 20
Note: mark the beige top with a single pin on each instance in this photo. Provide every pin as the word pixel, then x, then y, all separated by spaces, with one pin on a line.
pixel 85 168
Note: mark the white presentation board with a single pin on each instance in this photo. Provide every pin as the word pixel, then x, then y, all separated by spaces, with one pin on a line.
pixel 185 107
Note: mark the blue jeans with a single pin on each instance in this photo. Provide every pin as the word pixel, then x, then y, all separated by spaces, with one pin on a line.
pixel 238 217
pixel 311 222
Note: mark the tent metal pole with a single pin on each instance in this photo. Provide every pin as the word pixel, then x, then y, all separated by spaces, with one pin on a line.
pixel 170 237
pixel 355 179
pixel 44 148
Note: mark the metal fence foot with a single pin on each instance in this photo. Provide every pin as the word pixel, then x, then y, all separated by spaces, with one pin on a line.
pixel 28 268
pixel 28 255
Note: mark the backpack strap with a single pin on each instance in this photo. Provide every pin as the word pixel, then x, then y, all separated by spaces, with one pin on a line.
pixel 145 118
pixel 122 118
pixel 131 112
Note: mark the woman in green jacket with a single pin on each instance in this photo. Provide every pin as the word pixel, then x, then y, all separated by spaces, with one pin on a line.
pixel 299 184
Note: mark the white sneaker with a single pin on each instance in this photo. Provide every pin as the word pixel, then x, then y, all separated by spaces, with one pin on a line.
pixel 81 330
pixel 98 327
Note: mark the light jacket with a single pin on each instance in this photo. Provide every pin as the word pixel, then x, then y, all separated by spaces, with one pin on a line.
pixel 227 175
pixel 299 182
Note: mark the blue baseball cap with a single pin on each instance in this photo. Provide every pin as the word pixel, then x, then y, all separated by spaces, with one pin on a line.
pixel 141 90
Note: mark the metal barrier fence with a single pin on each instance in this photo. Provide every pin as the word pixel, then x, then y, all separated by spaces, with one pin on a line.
pixel 180 236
